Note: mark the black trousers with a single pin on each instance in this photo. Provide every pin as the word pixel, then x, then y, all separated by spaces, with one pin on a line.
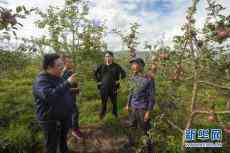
pixel 108 93
pixel 55 133
pixel 75 117
pixel 136 118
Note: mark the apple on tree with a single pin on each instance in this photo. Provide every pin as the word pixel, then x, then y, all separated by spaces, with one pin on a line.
pixel 212 118
pixel 164 56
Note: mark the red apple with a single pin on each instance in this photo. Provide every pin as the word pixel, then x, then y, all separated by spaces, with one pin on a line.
pixel 211 118
pixel 222 33
pixel 227 129
pixel 164 56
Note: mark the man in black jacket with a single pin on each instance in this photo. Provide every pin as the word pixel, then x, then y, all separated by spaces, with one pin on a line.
pixel 107 75
pixel 54 103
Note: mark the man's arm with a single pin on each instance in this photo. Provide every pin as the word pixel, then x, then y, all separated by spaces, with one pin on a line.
pixel 97 73
pixel 151 95
pixel 44 90
pixel 128 103
pixel 129 99
pixel 151 100
pixel 130 96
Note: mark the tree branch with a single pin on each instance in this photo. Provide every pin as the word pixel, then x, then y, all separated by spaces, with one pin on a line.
pixel 174 126
pixel 208 112
pixel 164 118
pixel 214 85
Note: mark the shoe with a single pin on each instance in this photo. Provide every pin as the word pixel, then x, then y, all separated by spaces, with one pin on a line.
pixel 77 133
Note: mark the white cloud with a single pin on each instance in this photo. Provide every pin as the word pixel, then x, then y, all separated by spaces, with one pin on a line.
pixel 153 25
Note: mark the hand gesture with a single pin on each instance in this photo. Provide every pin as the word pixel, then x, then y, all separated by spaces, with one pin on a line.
pixel 146 117
pixel 72 79
pixel 126 108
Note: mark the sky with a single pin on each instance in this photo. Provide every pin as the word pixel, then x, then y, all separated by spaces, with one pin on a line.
pixel 159 19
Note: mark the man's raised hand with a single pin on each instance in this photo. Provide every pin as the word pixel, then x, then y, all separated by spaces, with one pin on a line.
pixel 126 108
pixel 72 79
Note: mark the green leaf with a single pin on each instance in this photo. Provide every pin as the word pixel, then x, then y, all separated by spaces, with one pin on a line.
pixel 14 33
pixel 19 9
pixel 14 28
pixel 24 8
pixel 20 24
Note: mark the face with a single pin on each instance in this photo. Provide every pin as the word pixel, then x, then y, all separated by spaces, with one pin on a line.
pixel 68 63
pixel 57 68
pixel 108 58
pixel 135 68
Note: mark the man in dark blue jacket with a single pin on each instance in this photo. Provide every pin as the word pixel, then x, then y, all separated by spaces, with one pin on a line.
pixel 54 103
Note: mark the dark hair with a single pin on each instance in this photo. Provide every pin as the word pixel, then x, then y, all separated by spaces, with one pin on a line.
pixel 48 60
pixel 109 52
pixel 139 61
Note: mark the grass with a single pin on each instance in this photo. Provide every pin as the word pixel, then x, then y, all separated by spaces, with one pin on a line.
pixel 89 112
pixel 89 115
